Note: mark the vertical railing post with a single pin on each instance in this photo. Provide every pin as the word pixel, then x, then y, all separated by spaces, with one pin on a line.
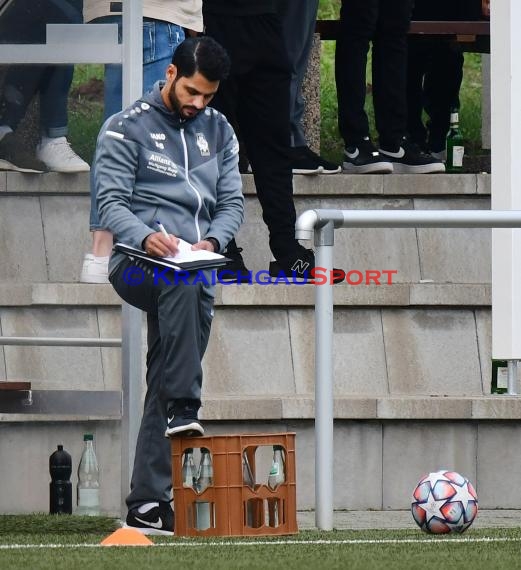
pixel 131 318
pixel 324 242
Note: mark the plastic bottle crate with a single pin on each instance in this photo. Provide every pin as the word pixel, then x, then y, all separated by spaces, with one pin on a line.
pixel 232 507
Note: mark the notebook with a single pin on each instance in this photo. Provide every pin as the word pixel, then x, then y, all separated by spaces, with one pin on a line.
pixel 186 259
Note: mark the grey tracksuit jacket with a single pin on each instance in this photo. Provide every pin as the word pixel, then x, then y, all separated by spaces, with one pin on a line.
pixel 152 165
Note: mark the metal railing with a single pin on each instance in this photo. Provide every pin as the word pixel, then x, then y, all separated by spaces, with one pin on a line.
pixel 68 402
pixel 322 224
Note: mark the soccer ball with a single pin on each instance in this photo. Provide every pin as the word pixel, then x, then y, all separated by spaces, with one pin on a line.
pixel 443 502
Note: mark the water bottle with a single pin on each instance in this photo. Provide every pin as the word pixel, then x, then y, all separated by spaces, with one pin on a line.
pixel 277 471
pixel 275 478
pixel 499 383
pixel 204 480
pixel 188 470
pixel 88 479
pixel 60 487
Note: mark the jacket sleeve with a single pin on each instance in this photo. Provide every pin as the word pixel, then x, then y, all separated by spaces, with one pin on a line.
pixel 229 208
pixel 115 167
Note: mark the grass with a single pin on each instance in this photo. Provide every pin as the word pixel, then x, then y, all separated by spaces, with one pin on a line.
pixel 481 550
pixel 86 101
pixel 85 109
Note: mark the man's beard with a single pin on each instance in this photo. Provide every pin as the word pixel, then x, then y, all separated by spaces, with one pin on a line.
pixel 185 111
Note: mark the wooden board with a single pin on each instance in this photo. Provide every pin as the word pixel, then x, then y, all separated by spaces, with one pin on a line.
pixel 14 386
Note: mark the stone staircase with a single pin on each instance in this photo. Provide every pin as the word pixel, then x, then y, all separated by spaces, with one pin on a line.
pixel 411 360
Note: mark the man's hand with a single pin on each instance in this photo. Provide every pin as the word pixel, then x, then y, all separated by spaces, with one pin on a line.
pixel 204 244
pixel 159 245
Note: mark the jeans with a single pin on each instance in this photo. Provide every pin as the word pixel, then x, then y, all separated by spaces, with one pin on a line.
pixel 25 22
pixel 160 40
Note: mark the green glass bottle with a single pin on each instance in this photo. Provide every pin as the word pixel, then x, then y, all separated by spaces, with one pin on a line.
pixel 454 145
pixel 499 377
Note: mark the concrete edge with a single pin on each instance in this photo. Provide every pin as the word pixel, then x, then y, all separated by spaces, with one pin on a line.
pixel 282 295
pixel 231 408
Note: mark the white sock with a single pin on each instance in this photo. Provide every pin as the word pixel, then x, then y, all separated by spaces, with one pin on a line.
pixel 103 259
pixel 4 130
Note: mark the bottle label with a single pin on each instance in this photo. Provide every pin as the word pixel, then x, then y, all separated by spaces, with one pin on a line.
pixel 502 377
pixel 274 471
pixel 88 497
pixel 457 155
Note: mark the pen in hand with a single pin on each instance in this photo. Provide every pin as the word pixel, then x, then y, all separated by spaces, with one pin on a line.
pixel 166 235
pixel 162 229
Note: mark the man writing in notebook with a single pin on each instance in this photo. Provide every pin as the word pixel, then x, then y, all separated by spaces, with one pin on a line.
pixel 169 157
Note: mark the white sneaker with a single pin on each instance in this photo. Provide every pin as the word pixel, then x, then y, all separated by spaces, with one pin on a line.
pixel 58 156
pixel 95 269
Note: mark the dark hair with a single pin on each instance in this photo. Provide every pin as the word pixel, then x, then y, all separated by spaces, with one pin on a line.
pixel 204 55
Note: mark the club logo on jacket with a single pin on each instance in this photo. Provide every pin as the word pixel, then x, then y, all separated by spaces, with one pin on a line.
pixel 157 137
pixel 160 163
pixel 202 143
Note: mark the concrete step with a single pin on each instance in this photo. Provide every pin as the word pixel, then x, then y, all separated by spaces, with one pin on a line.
pixel 44 219
pixel 403 339
pixel 257 294
pixel 290 407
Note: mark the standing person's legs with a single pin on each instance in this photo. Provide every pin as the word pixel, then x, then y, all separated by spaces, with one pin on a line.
pixel 20 85
pixel 54 149
pixel 298 39
pixel 418 64
pixel 358 19
pixel 54 93
pixel 299 26
pixel 357 27
pixel 441 88
pixel 160 40
pixel 390 71
pixel 256 96
pixel 263 116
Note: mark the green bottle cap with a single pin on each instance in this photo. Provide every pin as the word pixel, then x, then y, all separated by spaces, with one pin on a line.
pixel 88 437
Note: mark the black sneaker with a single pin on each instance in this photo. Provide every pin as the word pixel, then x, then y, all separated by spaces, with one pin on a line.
pixel 297 268
pixel 410 159
pixel 182 419
pixel 15 156
pixel 235 271
pixel 365 159
pixel 305 161
pixel 152 518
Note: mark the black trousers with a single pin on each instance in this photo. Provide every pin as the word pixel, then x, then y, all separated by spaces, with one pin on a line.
pixel 434 75
pixel 255 99
pixel 384 23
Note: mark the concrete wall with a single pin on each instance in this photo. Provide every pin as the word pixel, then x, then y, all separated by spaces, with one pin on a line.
pixel 376 463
